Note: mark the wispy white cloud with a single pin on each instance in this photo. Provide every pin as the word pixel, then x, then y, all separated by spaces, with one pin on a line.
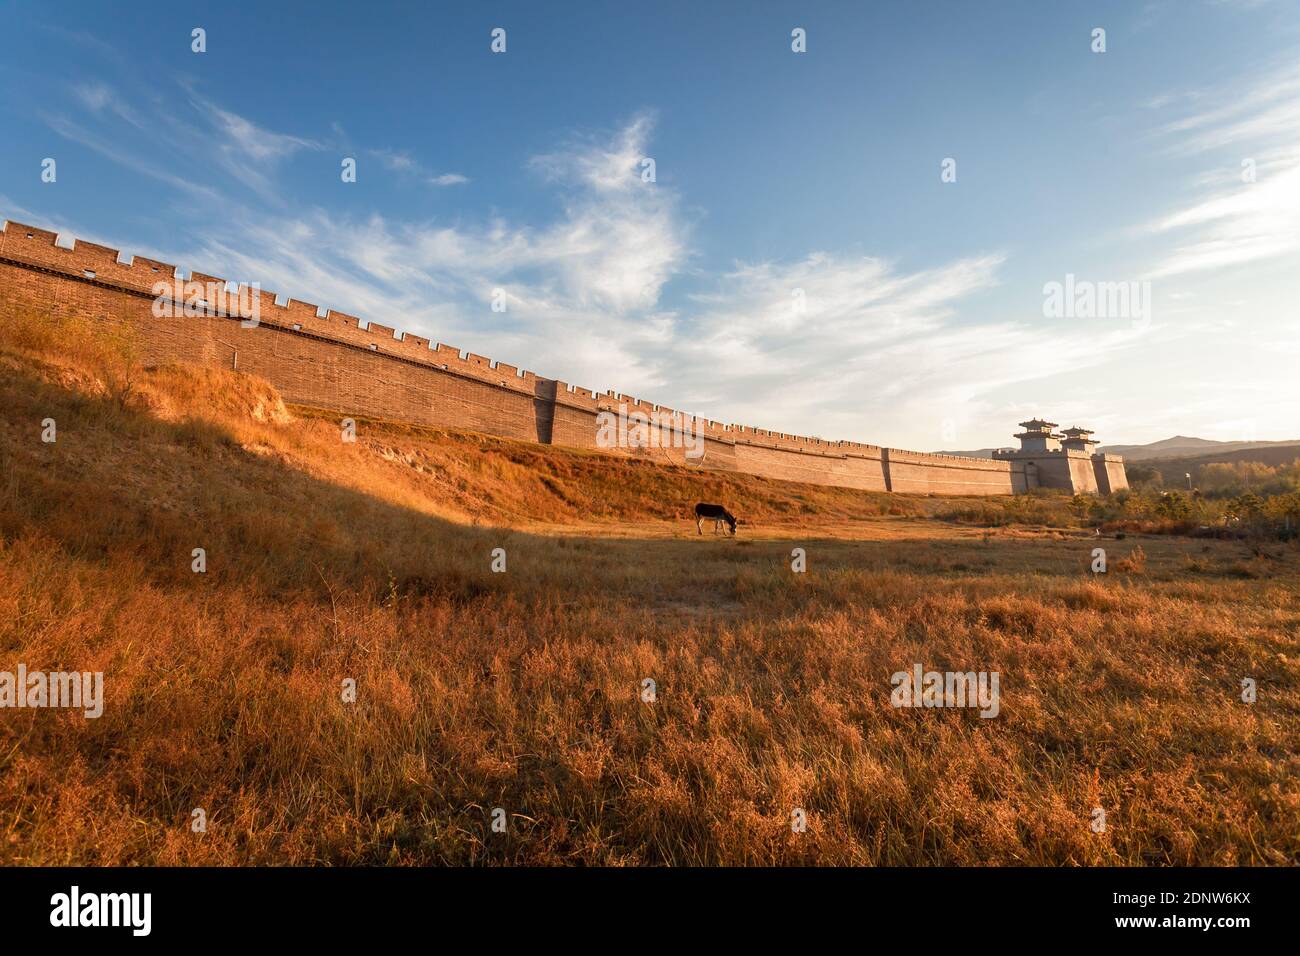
pixel 101 99
pixel 94 95
pixel 242 137
pixel 841 346
pixel 208 136
pixel 406 165
pixel 1260 109
pixel 1237 225
pixel 605 164
pixel 248 152
pixel 113 149
pixel 1249 209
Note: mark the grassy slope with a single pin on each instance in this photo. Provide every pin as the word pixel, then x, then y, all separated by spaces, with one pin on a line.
pixel 520 690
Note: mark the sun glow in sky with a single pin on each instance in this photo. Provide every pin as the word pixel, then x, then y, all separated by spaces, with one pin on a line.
pixel 799 261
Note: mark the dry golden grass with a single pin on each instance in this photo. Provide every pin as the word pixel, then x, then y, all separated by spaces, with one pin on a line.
pixel 520 690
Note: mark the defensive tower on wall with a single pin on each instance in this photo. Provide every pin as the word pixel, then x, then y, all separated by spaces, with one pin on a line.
pixel 335 361
pixel 1064 461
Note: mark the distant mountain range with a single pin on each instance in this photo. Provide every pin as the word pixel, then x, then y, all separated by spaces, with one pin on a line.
pixel 1180 446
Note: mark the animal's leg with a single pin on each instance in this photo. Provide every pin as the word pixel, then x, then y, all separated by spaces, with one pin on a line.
pixel 699 528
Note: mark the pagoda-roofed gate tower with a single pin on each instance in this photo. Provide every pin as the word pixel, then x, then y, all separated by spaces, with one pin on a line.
pixel 1038 436
pixel 1066 460
pixel 1078 439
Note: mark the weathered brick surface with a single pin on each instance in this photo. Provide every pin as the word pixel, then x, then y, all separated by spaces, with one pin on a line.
pixel 338 362
pixel 860 469
pixel 1109 472
pixel 950 474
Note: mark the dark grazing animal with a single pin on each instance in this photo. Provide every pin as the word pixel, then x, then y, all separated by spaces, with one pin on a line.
pixel 718 513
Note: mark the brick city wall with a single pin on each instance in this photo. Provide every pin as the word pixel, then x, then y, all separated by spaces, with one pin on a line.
pixel 333 360
pixel 1109 473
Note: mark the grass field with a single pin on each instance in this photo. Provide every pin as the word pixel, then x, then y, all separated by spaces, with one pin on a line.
pixel 329 561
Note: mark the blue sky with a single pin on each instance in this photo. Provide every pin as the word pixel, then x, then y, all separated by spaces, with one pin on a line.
pixel 798 262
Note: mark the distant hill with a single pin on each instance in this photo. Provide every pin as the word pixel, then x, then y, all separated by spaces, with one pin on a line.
pixel 1183 446
pixel 1173 469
